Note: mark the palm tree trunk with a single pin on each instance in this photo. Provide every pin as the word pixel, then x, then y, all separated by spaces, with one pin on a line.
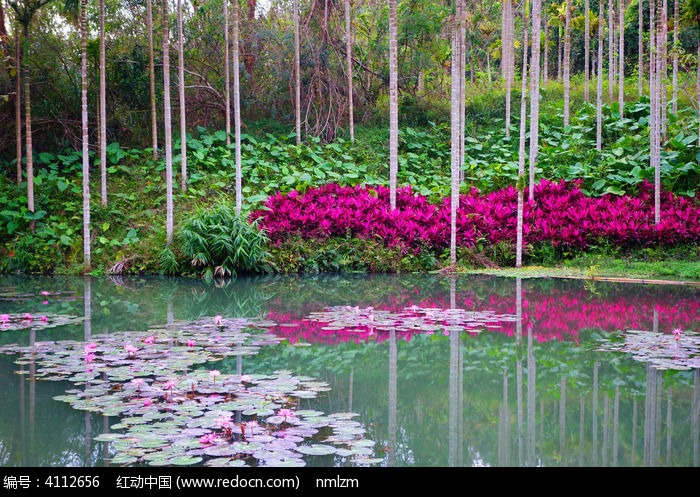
pixel 640 49
pixel 663 58
pixel 456 110
pixel 621 60
pixel 545 49
pixel 84 121
pixel 152 79
pixel 567 62
pixel 521 153
pixel 348 58
pixel 18 104
pixel 103 109
pixel 297 75
pixel 611 50
pixel 168 126
pixel 183 105
pixel 674 96
pixel 586 49
pixel 599 88
pixel 28 122
pixel 534 94
pixel 507 58
pixel 227 76
pixel 237 108
pixel 393 105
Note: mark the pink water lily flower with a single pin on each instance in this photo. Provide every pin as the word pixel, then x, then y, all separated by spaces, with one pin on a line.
pixel 45 293
pixel 286 413
pixel 207 439
pixel 4 318
pixel 190 343
pixel 44 318
pixel 150 340
pixel 130 349
pixel 677 332
pixel 89 357
pixel 214 373
pixel 28 317
pixel 218 320
pixel 147 402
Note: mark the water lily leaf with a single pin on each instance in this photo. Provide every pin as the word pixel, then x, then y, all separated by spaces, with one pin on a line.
pixel 185 460
pixel 316 449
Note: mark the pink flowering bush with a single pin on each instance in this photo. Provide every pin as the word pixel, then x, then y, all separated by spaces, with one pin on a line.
pixel 560 215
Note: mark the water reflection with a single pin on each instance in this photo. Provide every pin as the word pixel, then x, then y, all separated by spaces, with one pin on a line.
pixel 525 387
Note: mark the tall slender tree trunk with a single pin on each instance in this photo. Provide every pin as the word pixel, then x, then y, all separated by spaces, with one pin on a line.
pixel 227 75
pixel 28 122
pixel 611 50
pixel 654 109
pixel 621 60
pixel 567 62
pixel 103 108
pixel 168 126
pixel 545 48
pixel 297 75
pixel 18 103
pixel 640 48
pixel 663 69
pixel 152 78
pixel 521 150
pixel 237 106
pixel 508 58
pixel 181 93
pixel 348 59
pixel 534 94
pixel 586 49
pixel 599 87
pixel 674 95
pixel 456 110
pixel 393 105
pixel 84 122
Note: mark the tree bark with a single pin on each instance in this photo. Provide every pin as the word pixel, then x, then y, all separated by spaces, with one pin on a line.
pixel 586 50
pixel 520 185
pixel 621 60
pixel 152 78
pixel 237 107
pixel 534 94
pixel 168 127
pixel 393 105
pixel 348 59
pixel 599 88
pixel 18 104
pixel 103 109
pixel 227 75
pixel 181 94
pixel 84 122
pixel 297 75
pixel 567 62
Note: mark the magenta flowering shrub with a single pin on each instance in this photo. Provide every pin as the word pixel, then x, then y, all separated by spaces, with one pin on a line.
pixel 560 214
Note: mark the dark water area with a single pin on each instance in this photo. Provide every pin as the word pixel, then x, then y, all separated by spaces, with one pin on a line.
pixel 438 370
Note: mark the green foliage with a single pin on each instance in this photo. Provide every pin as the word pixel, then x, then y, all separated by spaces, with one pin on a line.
pixel 221 243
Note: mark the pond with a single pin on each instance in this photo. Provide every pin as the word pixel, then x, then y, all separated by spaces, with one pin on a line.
pixel 348 371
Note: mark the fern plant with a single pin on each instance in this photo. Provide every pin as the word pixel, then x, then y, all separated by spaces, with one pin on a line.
pixel 221 243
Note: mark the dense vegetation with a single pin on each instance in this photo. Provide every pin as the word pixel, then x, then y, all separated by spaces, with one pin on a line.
pixel 212 240
pixel 593 169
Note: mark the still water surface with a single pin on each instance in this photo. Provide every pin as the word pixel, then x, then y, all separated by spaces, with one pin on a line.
pixel 440 370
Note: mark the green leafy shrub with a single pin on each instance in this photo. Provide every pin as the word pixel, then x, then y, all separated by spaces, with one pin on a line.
pixel 221 243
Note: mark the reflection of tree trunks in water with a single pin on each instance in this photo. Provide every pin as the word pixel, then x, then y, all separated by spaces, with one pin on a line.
pixel 87 306
pixel 88 437
pixel 455 404
pixel 504 425
pixel 562 418
pixel 519 368
pixel 594 415
pixel 652 415
pixel 606 431
pixel 393 356
pixel 531 399
pixel 694 421
pixel 350 386
pixel 669 428
pixel 658 404
pixel 582 429
pixel 105 446
pixel 634 432
pixel 239 372
pixel 169 317
pixel 616 424
pixel 32 389
pixel 22 413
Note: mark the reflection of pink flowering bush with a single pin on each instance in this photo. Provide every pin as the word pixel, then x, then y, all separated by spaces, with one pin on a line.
pixel 560 214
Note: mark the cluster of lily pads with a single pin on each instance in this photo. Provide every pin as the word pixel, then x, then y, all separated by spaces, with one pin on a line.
pixel 411 319
pixel 174 411
pixel 10 322
pixel 679 350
